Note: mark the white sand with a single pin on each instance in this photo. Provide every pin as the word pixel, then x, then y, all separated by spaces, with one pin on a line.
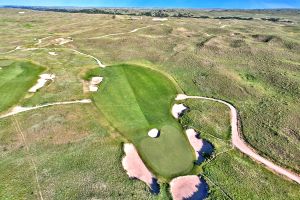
pixel 196 143
pixel 93 88
pixel 153 133
pixel 52 53
pixel 44 78
pixel 21 12
pixel 184 187
pixel 160 19
pixel 93 85
pixel 134 165
pixel 177 109
pixel 240 144
pixel 62 41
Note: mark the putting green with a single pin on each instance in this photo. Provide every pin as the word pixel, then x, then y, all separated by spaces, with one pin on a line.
pixel 136 99
pixel 16 79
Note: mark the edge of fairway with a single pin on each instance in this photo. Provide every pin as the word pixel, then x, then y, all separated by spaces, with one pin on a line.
pixel 178 90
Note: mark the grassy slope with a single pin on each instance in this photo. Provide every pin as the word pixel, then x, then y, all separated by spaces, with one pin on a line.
pixel 136 99
pixel 16 78
pixel 76 157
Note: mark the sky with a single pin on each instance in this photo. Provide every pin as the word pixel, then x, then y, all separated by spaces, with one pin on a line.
pixel 244 4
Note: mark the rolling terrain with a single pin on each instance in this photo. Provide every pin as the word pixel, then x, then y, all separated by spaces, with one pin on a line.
pixel 74 151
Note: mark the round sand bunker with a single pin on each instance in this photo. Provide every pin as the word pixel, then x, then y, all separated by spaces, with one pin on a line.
pixel 188 187
pixel 154 133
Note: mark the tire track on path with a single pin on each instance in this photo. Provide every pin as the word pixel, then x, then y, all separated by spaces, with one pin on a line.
pixel 32 162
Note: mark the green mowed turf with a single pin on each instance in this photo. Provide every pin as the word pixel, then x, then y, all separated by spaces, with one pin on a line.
pixel 136 99
pixel 16 78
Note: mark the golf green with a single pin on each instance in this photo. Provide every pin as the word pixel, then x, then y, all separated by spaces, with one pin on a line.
pixel 136 99
pixel 16 79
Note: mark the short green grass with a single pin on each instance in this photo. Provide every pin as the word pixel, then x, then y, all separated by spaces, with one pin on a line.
pixel 136 99
pixel 16 78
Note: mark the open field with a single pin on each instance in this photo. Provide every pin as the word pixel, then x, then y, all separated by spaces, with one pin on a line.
pixel 135 100
pixel 254 65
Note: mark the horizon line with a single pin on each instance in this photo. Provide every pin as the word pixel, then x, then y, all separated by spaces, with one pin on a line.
pixel 144 7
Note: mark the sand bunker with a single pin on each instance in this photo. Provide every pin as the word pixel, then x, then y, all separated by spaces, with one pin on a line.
pixel 201 147
pixel 44 78
pixel 196 143
pixel 21 12
pixel 93 86
pixel 154 133
pixel 135 167
pixel 52 53
pixel 177 110
pixel 160 19
pixel 62 41
pixel 188 187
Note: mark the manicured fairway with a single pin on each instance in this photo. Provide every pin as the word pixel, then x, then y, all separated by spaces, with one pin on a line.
pixel 136 99
pixel 16 78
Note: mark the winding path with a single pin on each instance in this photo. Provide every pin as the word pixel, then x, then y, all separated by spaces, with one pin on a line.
pixel 13 50
pixel 123 33
pixel 240 144
pixel 19 109
pixel 96 59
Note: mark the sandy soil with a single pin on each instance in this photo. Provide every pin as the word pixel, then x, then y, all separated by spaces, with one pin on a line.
pixel 85 86
pixel 240 144
pixel 184 187
pixel 160 19
pixel 93 85
pixel 134 165
pixel 177 109
pixel 154 133
pixel 196 143
pixel 44 78
pixel 62 41
pixel 52 53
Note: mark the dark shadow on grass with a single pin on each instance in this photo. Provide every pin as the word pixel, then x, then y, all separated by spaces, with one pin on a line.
pixel 205 152
pixel 154 187
pixel 202 192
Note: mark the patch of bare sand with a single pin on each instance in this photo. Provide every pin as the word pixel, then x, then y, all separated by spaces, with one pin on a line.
pixel 134 165
pixel 184 187
pixel 44 78
pixel 196 143
pixel 62 41
pixel 177 110
pixel 160 19
pixel 52 53
pixel 93 85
